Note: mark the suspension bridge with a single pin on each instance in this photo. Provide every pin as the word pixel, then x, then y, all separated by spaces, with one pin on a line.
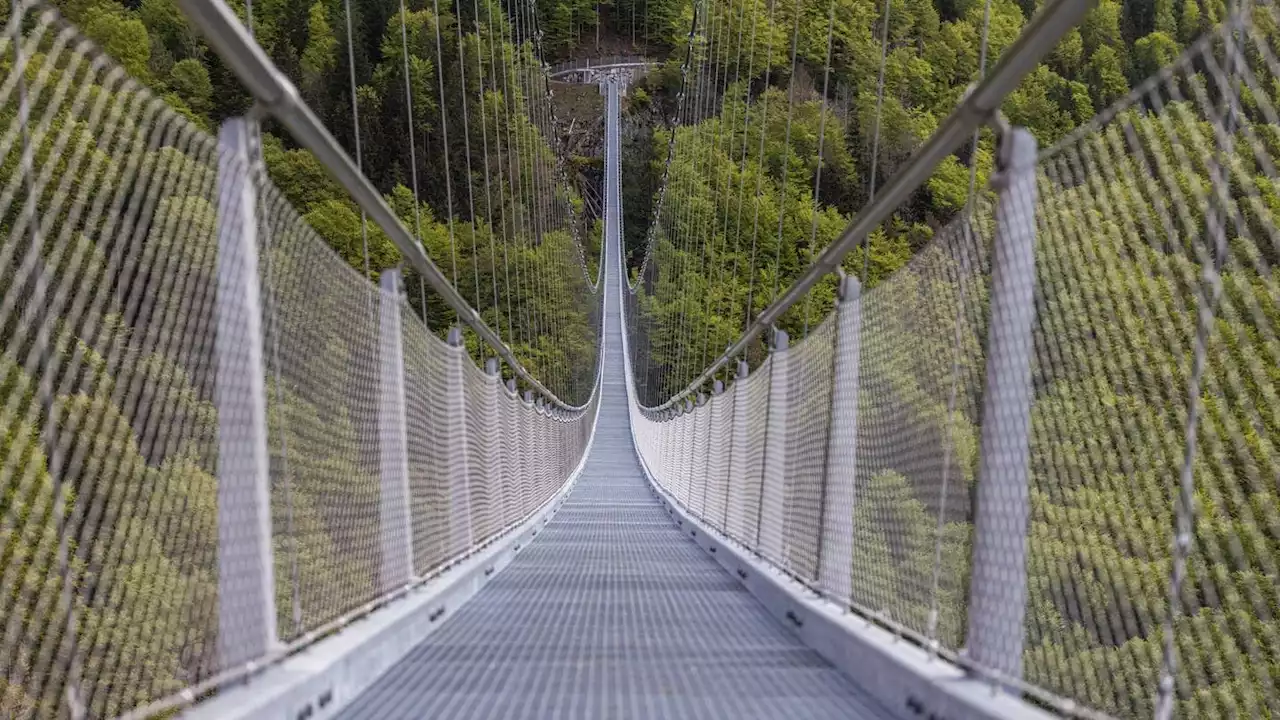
pixel 252 471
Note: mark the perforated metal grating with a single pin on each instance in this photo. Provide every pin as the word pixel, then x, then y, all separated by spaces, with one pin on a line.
pixel 613 612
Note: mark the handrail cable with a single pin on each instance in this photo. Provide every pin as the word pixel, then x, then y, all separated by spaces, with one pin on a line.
pixel 277 95
pixel 977 107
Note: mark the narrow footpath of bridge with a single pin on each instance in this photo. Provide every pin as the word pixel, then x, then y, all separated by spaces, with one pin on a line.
pixel 612 612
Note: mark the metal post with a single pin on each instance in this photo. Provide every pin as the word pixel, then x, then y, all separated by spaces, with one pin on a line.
pixel 715 465
pixel 393 441
pixel 492 422
pixel 528 444
pixel 998 585
pixel 246 582
pixel 509 475
pixel 735 523
pixel 774 478
pixel 835 561
pixel 698 476
pixel 455 444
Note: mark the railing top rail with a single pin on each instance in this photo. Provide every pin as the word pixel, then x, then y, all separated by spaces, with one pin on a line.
pixel 277 96
pixel 977 108
pixel 599 62
pixel 623 63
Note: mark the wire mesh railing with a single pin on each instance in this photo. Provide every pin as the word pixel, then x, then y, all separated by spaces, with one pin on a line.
pixel 220 441
pixel 1122 562
pixel 1154 393
pixel 783 433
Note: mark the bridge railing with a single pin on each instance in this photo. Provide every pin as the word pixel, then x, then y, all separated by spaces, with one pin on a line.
pixel 219 441
pixel 1053 464
pixel 602 63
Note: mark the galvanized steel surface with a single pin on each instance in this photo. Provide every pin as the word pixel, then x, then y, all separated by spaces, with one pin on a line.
pixel 612 612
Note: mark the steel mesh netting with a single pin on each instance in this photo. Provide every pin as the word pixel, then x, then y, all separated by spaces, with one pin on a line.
pixel 1155 343
pixel 425 387
pixel 482 392
pixel 109 501
pixel 480 458
pixel 702 459
pixel 321 325
pixel 746 474
pixel 717 483
pixel 921 373
pixel 919 393
pixel 107 496
pixel 921 369
pixel 808 407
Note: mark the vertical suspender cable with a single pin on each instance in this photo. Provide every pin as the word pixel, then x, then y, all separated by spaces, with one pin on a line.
pixel 764 126
pixel 444 145
pixel 533 302
pixel 502 191
pixel 466 143
pixel 746 108
pixel 822 134
pixel 537 172
pixel 521 222
pixel 786 156
pixel 703 110
pixel 355 119
pixel 413 151
pixel 527 124
pixel 742 170
pixel 932 629
pixel 703 221
pixel 875 134
pixel 484 139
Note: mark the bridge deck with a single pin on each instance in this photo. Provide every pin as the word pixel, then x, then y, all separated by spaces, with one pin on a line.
pixel 612 612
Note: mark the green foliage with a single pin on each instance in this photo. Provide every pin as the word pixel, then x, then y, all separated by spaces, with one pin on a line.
pixel 349 234
pixel 1106 76
pixel 146 494
pixel 190 79
pixel 1153 52
pixel 319 55
pixel 122 36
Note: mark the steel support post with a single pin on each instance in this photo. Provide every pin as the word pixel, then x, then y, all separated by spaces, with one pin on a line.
pixel 998 584
pixel 246 583
pixel 736 488
pixel 491 420
pixel 393 441
pixel 835 562
pixel 454 423
pixel 773 488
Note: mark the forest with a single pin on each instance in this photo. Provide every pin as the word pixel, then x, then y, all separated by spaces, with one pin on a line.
pixel 743 214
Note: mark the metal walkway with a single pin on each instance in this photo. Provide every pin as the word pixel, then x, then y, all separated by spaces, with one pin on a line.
pixel 613 613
